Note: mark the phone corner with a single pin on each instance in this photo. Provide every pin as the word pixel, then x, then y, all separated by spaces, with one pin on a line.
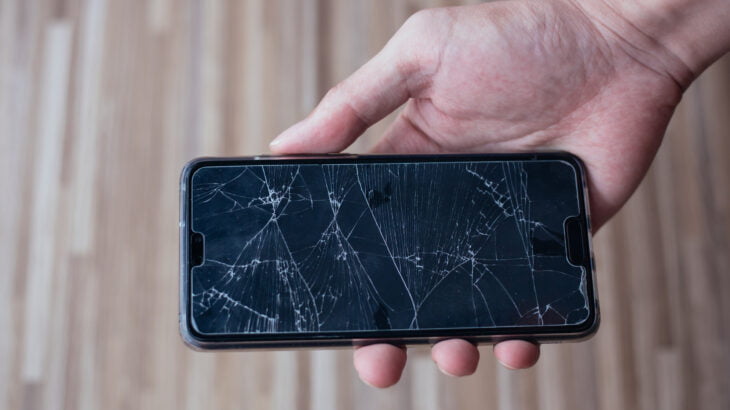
pixel 572 159
pixel 189 337
pixel 590 326
pixel 190 167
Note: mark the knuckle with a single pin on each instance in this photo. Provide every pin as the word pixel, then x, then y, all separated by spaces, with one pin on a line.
pixel 421 19
pixel 422 38
pixel 337 91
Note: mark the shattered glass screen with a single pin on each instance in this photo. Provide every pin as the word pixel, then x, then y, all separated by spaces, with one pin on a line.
pixel 378 246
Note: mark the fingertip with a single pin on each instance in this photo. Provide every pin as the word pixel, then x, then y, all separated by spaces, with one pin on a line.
pixel 327 129
pixel 517 354
pixel 274 145
pixel 287 139
pixel 380 365
pixel 455 357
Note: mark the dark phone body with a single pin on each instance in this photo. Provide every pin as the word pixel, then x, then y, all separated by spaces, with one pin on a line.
pixel 333 250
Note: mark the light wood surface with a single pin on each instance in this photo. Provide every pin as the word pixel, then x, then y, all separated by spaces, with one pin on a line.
pixel 102 102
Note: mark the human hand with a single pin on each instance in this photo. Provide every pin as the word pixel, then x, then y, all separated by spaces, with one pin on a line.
pixel 506 77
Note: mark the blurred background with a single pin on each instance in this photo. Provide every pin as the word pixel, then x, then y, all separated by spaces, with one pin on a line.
pixel 101 104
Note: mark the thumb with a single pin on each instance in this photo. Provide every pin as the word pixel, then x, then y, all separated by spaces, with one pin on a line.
pixel 348 109
pixel 375 90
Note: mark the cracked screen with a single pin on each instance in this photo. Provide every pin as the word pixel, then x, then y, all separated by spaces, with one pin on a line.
pixel 348 247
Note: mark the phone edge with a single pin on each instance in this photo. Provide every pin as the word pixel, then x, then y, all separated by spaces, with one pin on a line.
pixel 200 344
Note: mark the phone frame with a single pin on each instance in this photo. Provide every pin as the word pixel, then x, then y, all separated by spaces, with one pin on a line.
pixel 201 341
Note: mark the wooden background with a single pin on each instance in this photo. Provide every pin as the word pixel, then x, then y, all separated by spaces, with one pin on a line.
pixel 102 102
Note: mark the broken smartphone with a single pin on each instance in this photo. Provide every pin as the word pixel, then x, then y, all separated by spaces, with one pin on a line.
pixel 340 249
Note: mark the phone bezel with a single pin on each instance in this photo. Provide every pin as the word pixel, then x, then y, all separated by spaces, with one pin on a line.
pixel 200 340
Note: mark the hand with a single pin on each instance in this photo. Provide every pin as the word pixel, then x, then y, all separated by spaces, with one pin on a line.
pixel 506 76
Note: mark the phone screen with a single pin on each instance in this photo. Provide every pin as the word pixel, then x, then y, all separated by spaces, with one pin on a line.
pixel 386 246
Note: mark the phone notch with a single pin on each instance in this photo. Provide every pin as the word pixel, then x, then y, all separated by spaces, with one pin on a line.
pixel 197 249
pixel 576 243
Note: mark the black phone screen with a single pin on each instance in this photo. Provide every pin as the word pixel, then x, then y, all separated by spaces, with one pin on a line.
pixel 386 245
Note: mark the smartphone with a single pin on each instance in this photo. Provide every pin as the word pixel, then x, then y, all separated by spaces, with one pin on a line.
pixel 342 249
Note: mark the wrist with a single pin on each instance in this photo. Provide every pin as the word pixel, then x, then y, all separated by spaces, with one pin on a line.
pixel 677 37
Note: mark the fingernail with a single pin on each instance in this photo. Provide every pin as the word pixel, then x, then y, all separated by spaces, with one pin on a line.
pixel 288 134
pixel 367 382
pixel 508 367
pixel 276 141
pixel 281 138
pixel 444 371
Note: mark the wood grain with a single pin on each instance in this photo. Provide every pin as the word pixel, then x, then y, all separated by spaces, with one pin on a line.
pixel 102 102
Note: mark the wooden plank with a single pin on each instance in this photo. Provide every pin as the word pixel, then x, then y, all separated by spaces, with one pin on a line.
pixel 102 102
